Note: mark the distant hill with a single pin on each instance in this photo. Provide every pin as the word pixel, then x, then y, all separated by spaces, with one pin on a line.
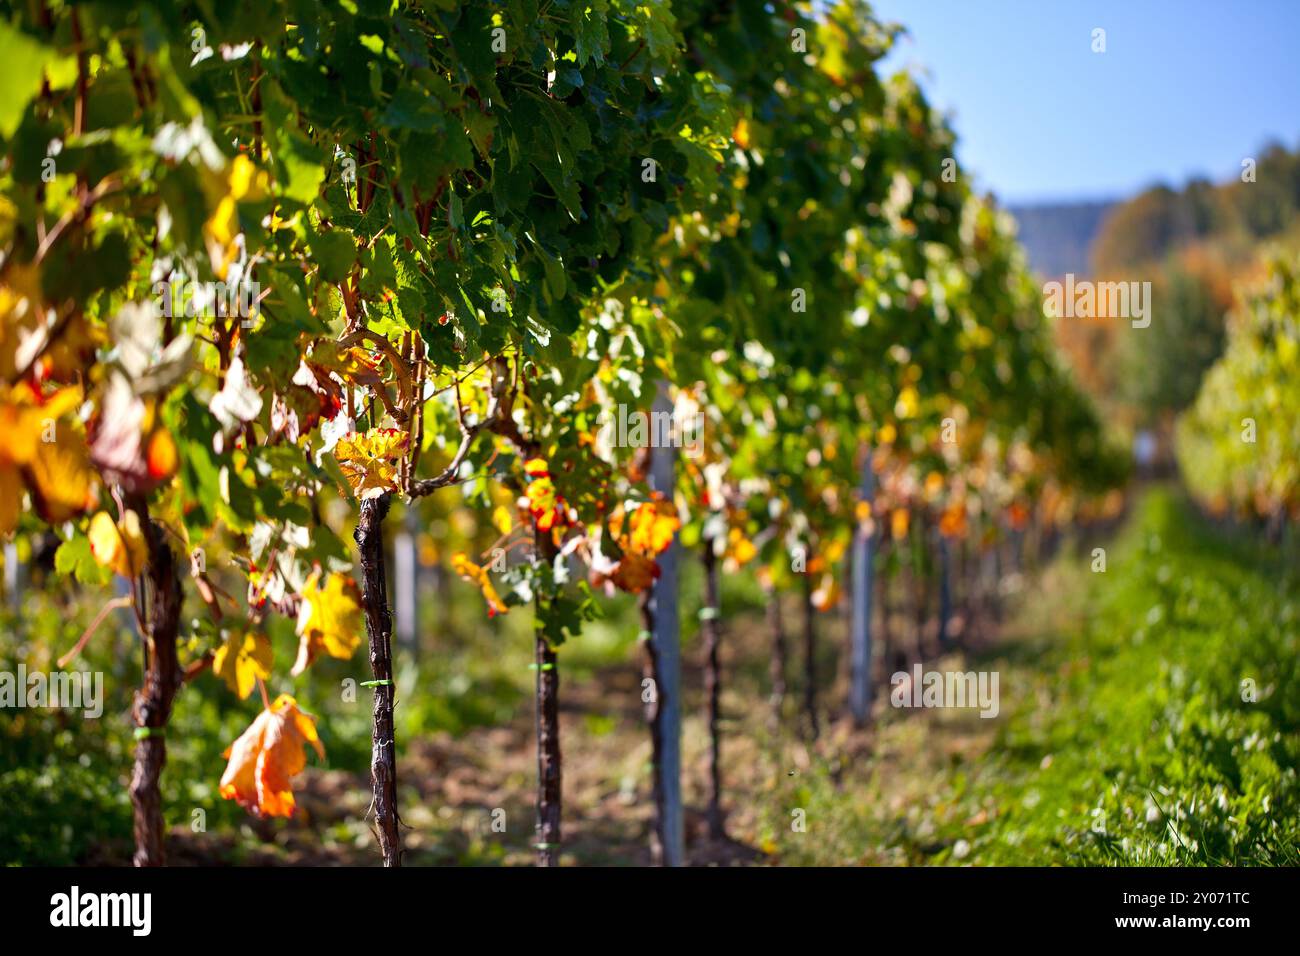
pixel 1058 237
pixel 1262 203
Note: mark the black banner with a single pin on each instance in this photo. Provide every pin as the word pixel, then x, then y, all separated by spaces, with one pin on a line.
pixel 339 906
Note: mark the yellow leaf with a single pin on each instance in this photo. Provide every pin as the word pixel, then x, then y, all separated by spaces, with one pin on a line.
pixel 28 416
pixel 241 660
pixel 61 402
pixel 120 548
pixel 22 314
pixel 59 476
pixel 329 619
pixel 908 403
pixel 247 181
pixel 20 424
pixel 369 460
pixel 502 519
pixel 223 226
pixel 243 182
pixel 831 43
pixel 267 756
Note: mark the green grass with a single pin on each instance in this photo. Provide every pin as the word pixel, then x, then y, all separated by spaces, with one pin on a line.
pixel 1124 737
pixel 1148 717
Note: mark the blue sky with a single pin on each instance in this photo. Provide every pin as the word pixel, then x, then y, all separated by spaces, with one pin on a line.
pixel 1185 87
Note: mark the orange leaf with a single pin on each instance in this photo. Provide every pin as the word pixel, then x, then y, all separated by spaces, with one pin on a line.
pixel 267 756
pixel 741 133
pixel 635 572
pixel 739 548
pixel 899 522
pixel 472 572
pixel 160 455
pixel 642 534
pixel 545 503
pixel 11 498
pixel 652 525
pixel 952 523
pixel 827 595
pixel 933 484
pixel 351 364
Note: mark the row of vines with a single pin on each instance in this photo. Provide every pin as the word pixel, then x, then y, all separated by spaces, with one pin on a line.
pixel 1239 444
pixel 263 262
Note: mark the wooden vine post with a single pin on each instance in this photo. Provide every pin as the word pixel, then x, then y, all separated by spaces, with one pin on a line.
pixel 549 757
pixel 406 573
pixel 776 666
pixel 863 571
pixel 710 631
pixel 13 577
pixel 810 658
pixel 945 590
pixel 663 669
